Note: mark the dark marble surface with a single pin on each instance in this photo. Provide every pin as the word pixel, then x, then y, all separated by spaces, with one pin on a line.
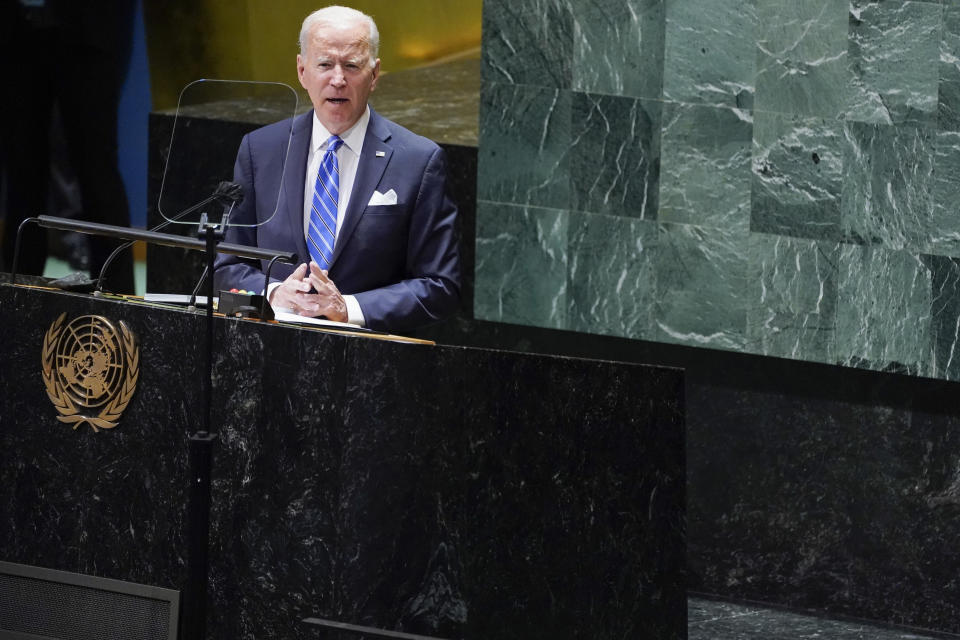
pixel 442 490
pixel 809 486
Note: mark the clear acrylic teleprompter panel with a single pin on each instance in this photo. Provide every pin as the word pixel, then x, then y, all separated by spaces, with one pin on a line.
pixel 200 157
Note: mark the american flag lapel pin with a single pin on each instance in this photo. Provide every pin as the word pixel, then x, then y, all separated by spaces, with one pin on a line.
pixel 380 154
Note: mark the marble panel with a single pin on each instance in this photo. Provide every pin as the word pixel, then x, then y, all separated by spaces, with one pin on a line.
pixel 615 155
pixel 137 496
pixel 521 268
pixel 709 52
pixel 797 176
pixel 361 480
pixel 906 492
pixel 702 285
pixel 944 227
pixel 883 314
pixel 949 97
pixel 41 520
pixel 85 501
pixel 802 57
pixel 611 286
pixel 618 47
pixel 524 145
pixel 528 42
pixel 276 487
pixel 944 316
pixel 887 188
pixel 397 557
pixel 793 300
pixel 826 489
pixel 768 479
pixel 779 458
pixel 892 49
pixel 705 171
pixel 553 527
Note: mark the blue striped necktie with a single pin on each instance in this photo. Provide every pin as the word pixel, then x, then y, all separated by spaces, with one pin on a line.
pixel 322 231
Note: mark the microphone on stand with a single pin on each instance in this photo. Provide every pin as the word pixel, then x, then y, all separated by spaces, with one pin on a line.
pixel 226 193
pixel 191 306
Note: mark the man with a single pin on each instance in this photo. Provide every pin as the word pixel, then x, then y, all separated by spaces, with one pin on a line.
pixel 362 201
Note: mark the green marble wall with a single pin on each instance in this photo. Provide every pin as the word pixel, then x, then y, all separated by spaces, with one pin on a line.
pixel 778 177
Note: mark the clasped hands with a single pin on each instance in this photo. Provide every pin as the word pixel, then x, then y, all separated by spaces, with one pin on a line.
pixel 310 294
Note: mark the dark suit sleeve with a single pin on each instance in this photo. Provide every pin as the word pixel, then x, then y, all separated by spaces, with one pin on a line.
pixel 230 271
pixel 430 289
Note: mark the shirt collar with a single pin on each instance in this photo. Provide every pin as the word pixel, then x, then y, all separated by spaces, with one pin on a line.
pixel 352 137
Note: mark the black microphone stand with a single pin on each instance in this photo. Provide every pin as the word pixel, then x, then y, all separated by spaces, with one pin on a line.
pixel 201 460
pixel 226 191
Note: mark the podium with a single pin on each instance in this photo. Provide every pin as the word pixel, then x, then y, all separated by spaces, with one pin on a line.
pixel 446 491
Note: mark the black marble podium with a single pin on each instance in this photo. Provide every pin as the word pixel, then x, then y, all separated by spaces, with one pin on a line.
pixel 455 492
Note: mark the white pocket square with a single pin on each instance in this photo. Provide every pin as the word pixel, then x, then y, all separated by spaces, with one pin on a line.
pixel 390 197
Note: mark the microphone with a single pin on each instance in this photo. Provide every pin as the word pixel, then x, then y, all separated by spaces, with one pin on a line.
pixel 266 287
pixel 192 304
pixel 234 196
pixel 227 193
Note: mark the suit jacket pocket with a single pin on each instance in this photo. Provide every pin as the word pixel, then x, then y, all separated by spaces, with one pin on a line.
pixel 381 238
pixel 386 209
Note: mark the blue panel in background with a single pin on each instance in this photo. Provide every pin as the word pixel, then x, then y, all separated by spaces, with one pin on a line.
pixel 135 105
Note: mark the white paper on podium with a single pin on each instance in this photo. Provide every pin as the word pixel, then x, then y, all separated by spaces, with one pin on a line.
pixel 284 316
pixel 176 298
pixel 279 315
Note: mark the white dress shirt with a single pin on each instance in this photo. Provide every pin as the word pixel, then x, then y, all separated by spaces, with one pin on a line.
pixel 348 159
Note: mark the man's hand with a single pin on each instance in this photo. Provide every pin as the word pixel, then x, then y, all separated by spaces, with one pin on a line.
pixel 294 294
pixel 330 303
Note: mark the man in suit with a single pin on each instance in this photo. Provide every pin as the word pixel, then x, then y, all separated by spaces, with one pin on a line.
pixel 385 254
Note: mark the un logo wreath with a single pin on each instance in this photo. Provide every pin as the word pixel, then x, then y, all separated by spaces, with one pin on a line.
pixel 90 370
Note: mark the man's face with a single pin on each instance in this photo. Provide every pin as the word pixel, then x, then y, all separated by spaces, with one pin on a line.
pixel 335 70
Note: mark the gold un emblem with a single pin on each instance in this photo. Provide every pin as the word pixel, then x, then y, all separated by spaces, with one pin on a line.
pixel 90 370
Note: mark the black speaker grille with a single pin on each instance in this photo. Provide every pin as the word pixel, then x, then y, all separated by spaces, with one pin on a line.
pixel 71 612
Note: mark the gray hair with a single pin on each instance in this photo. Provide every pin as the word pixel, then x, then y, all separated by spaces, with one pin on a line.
pixel 338 14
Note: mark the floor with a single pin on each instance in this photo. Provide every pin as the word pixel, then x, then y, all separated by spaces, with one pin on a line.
pixel 710 620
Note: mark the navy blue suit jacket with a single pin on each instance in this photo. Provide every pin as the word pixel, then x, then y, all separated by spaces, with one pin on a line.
pixel 400 261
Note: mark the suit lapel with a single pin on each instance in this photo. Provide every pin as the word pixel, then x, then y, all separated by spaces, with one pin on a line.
pixel 294 177
pixel 369 171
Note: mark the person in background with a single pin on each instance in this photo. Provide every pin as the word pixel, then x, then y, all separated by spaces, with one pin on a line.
pixel 73 55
